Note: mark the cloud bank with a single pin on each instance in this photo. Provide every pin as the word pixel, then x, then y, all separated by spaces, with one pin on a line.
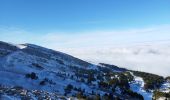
pixel 153 58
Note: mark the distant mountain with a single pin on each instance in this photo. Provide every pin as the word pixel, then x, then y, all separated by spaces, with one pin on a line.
pixel 33 72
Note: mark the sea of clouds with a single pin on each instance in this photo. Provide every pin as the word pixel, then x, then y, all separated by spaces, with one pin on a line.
pixel 153 58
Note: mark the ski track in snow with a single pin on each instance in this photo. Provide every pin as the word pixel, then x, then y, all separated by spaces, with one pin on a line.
pixel 138 86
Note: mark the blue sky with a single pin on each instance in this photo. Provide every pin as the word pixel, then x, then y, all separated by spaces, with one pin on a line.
pixel 120 32
pixel 46 22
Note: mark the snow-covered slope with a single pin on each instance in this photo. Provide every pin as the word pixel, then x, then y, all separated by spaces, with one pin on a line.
pixel 35 68
pixel 18 60
pixel 138 86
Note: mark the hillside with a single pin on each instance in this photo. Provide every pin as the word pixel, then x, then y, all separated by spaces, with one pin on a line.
pixel 33 72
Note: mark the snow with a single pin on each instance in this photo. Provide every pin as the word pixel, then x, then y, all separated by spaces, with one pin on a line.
pixel 138 86
pixel 165 87
pixel 161 98
pixel 20 46
pixel 6 97
pixel 17 64
pixel 118 90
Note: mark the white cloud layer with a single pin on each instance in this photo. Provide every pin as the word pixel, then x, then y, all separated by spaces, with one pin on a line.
pixel 153 58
